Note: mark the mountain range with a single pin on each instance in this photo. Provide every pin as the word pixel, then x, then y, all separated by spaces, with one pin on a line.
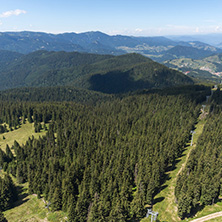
pixel 43 59
pixel 94 42
pixel 214 39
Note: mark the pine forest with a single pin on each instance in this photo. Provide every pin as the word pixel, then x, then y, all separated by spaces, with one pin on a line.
pixel 106 161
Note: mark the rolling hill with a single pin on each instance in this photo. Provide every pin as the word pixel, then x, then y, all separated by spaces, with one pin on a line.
pixel 105 73
pixel 189 52
pixel 185 51
pixel 8 56
pixel 207 69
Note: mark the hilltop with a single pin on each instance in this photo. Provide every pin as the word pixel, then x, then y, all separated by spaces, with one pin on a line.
pixel 104 73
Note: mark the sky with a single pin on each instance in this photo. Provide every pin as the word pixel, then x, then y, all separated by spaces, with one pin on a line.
pixel 125 17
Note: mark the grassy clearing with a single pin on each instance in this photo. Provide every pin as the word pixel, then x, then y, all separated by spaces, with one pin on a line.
pixel 218 219
pixel 209 210
pixel 28 207
pixel 21 135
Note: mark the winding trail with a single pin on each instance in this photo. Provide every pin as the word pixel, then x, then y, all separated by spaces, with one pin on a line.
pixel 165 200
pixel 208 217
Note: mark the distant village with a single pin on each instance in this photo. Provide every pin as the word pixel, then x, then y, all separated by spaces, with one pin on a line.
pixel 205 68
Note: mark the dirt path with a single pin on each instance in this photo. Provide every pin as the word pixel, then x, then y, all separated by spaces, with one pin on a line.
pixel 208 217
pixel 165 199
pixel 167 207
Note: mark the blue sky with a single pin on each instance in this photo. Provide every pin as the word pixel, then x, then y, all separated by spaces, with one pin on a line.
pixel 128 17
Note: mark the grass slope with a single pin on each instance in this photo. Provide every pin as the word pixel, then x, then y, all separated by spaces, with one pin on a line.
pixel 28 207
pixel 167 208
pixel 219 219
pixel 164 202
pixel 21 135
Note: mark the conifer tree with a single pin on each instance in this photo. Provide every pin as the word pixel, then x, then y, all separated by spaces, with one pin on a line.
pixel 9 153
pixel 56 200
pixel 2 217
pixel 71 212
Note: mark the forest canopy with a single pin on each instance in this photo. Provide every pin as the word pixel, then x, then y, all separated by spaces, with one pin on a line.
pixel 103 161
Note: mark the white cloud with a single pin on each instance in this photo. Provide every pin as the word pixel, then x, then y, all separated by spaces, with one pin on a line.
pixel 12 12
pixel 169 29
pixel 218 28
pixel 197 29
pixel 138 30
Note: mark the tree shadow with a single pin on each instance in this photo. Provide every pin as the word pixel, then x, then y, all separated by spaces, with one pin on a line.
pixel 161 188
pixel 174 166
pixel 22 196
pixel 195 210
pixel 198 208
pixel 165 177
pixel 218 200
pixel 157 200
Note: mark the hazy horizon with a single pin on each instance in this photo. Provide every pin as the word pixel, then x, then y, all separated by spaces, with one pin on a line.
pixel 140 18
pixel 88 31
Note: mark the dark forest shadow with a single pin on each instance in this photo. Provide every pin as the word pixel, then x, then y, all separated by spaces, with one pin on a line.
pixel 22 194
pixel 157 200
pixel 195 211
pixel 200 207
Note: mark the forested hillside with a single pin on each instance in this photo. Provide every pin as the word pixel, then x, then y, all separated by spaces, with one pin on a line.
pixel 188 52
pixel 104 73
pixel 103 162
pixel 8 56
pixel 58 93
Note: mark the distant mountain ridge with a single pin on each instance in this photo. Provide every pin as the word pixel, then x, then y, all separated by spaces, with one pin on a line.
pixel 91 42
pixel 180 51
pixel 214 39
